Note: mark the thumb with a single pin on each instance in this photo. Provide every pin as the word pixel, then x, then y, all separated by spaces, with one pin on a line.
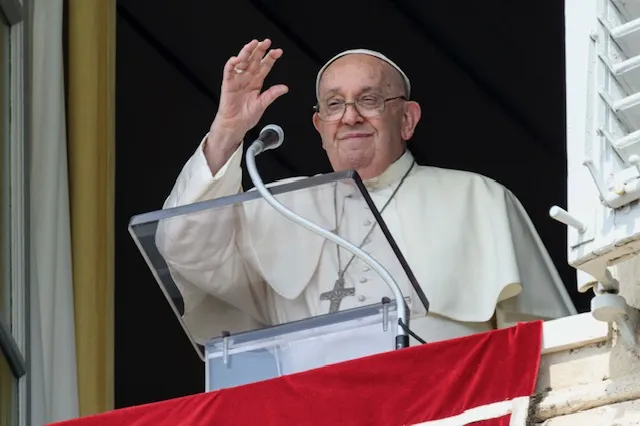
pixel 274 92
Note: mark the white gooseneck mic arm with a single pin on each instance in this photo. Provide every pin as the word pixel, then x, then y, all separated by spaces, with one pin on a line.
pixel 272 137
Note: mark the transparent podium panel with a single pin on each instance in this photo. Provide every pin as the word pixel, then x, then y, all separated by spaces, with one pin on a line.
pixel 299 346
pixel 234 264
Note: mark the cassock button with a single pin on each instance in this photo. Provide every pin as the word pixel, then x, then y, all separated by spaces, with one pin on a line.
pixel 361 298
pixel 363 280
pixel 367 222
pixel 366 268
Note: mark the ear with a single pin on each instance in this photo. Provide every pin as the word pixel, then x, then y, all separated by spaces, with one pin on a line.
pixel 410 119
pixel 316 121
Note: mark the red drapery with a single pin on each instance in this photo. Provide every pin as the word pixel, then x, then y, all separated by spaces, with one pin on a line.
pixel 405 387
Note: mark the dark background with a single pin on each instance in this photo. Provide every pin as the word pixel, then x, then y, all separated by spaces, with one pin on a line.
pixel 489 75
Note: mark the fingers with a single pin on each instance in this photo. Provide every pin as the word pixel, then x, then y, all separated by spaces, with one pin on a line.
pixel 246 53
pixel 269 96
pixel 267 62
pixel 238 64
pixel 252 59
pixel 257 55
pixel 229 68
pixel 250 55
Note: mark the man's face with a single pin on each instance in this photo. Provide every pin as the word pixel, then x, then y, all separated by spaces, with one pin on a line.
pixel 356 141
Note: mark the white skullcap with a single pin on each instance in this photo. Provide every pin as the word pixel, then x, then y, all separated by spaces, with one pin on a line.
pixel 407 83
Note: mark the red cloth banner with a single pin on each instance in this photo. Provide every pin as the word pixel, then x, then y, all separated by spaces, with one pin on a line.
pixel 455 382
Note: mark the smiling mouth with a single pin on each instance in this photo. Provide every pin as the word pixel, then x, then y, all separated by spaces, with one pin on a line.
pixel 355 136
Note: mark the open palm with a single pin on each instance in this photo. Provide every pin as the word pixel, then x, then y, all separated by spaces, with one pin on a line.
pixel 242 103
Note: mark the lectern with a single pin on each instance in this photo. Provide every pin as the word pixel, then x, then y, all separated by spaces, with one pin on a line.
pixel 260 296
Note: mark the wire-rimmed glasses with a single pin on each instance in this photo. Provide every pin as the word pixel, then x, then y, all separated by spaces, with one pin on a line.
pixel 370 105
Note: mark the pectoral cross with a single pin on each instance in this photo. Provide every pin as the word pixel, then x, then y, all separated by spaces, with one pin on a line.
pixel 336 295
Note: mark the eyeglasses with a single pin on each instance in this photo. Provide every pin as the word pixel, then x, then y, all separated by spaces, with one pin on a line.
pixel 368 106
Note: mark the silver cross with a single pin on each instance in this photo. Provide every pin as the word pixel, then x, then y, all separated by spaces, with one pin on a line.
pixel 336 295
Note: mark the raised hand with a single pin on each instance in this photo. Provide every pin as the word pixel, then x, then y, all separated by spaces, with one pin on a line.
pixel 244 75
pixel 242 101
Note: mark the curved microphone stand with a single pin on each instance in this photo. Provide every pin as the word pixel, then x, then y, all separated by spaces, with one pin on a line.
pixel 402 339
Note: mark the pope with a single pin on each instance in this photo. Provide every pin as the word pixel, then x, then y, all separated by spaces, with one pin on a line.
pixel 468 240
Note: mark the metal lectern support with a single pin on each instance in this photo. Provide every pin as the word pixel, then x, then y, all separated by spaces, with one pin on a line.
pixel 402 338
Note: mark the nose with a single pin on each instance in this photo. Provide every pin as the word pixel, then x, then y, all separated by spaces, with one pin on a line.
pixel 351 115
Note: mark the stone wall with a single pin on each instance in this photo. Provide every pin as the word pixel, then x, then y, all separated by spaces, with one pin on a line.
pixel 588 376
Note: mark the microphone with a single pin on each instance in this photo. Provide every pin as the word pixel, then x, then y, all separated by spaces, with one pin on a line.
pixel 271 137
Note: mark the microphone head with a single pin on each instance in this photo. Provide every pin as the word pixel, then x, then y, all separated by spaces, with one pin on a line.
pixel 272 136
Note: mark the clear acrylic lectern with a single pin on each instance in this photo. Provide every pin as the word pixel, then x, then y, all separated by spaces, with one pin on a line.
pixel 260 296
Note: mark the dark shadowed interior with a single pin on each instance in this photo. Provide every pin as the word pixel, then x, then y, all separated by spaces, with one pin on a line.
pixel 489 75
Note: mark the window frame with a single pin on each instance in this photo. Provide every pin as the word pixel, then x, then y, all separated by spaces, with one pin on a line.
pixel 14 339
pixel 12 352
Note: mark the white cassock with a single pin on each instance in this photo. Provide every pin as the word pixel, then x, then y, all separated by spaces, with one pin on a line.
pixel 467 239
